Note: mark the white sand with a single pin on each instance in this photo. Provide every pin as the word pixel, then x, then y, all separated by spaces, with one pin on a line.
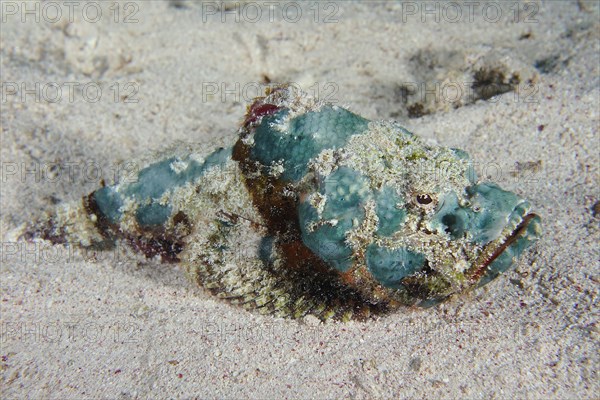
pixel 74 326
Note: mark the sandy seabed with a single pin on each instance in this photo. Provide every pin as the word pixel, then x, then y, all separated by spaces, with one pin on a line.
pixel 104 82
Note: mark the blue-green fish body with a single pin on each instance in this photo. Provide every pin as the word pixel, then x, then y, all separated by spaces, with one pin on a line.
pixel 314 210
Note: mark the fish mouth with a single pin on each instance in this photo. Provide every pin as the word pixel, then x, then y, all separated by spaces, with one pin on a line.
pixel 512 240
pixel 497 239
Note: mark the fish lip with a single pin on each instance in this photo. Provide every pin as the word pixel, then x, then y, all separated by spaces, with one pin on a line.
pixel 495 250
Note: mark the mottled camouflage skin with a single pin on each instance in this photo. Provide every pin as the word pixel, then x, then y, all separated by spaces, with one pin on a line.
pixel 314 210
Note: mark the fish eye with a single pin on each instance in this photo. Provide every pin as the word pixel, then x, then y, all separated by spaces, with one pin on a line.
pixel 424 199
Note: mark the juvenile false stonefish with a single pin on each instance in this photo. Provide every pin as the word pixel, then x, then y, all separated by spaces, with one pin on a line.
pixel 314 210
